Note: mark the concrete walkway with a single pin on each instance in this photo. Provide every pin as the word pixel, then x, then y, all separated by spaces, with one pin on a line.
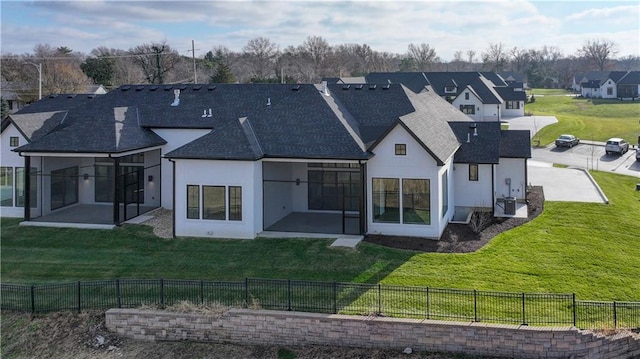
pixel 565 184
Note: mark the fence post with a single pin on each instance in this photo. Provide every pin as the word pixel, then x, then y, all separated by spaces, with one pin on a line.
pixel 335 298
pixel 246 291
pixel 33 300
pixel 161 292
pixel 79 298
pixel 475 306
pixel 118 298
pixel 574 309
pixel 379 299
pixel 428 303
pixel 615 316
pixel 289 294
pixel 524 318
pixel 201 292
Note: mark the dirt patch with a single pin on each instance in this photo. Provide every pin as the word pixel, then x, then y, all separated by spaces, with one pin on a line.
pixel 71 335
pixel 459 238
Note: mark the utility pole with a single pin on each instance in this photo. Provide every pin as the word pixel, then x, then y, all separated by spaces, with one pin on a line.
pixel 39 67
pixel 193 53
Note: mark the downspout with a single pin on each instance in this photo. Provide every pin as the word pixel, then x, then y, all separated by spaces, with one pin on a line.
pixel 173 196
pixel 493 188
pixel 26 181
pixel 363 197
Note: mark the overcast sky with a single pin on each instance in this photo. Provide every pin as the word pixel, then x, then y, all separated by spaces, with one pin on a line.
pixel 447 26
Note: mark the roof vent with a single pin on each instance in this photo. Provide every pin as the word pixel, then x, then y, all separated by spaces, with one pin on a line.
pixel 359 87
pixel 268 101
pixel 196 88
pixel 386 87
pixel 71 96
pixel 167 88
pixel 474 127
pixel 372 87
pixel 325 89
pixel 139 88
pixel 346 87
pixel 125 88
pixel 176 99
pixel 295 88
pixel 207 114
pixel 211 88
pixel 153 88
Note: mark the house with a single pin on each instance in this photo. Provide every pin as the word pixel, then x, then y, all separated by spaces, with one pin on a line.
pixel 628 86
pixel 236 160
pixel 601 84
pixel 483 96
pixel 514 79
pixel 13 93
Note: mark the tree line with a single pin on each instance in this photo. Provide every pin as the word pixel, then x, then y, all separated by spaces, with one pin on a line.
pixel 263 61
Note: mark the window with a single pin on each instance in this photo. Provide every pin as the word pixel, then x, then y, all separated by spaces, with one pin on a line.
pixel 330 190
pixel 401 149
pixel 193 202
pixel 512 105
pixel 14 141
pixel 445 192
pixel 609 90
pixel 33 199
pixel 235 203
pixel 131 183
pixel 386 201
pixel 213 203
pixel 6 186
pixel 473 172
pixel 416 201
pixel 449 89
pixel 64 187
pixel 468 109
pixel 466 95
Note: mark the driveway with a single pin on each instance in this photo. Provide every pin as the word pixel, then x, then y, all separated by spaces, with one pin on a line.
pixel 565 184
pixel 531 123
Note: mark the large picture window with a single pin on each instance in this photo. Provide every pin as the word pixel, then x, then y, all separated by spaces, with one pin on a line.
pixel 193 202
pixel 386 201
pixel 416 201
pixel 6 186
pixel 512 105
pixel 213 203
pixel 445 192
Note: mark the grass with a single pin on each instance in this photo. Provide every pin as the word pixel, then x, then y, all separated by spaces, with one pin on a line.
pixel 590 249
pixel 588 119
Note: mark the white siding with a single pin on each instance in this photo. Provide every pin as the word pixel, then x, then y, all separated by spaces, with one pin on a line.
pixel 519 112
pixel 175 138
pixel 8 158
pixel 515 170
pixel 491 112
pixel 473 100
pixel 604 89
pixel 417 164
pixel 246 174
pixel 473 193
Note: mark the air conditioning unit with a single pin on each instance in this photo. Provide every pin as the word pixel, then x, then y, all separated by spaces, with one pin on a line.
pixel 510 206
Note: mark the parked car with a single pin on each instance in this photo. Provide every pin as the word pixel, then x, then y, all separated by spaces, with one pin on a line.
pixel 567 141
pixel 617 145
pixel 638 153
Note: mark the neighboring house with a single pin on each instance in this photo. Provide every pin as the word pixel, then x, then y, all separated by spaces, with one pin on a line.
pixel 514 79
pixel 628 87
pixel 10 92
pixel 601 84
pixel 578 79
pixel 234 160
pixel 483 96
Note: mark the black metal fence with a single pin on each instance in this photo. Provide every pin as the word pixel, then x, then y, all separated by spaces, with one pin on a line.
pixel 328 297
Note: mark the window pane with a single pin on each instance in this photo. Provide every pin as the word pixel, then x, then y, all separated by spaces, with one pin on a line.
pixel 416 201
pixel 473 172
pixel 64 187
pixel 235 203
pixel 445 193
pixel 385 200
pixel 193 202
pixel 6 183
pixel 213 203
pixel 315 190
pixel 20 187
pixel 104 183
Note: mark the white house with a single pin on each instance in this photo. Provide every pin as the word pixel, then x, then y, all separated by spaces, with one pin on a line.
pixel 233 161
pixel 601 84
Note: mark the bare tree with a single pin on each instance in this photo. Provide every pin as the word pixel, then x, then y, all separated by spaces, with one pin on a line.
pixel 155 60
pixel 598 53
pixel 519 59
pixel 261 55
pixel 423 56
pixel 316 50
pixel 629 63
pixel 495 57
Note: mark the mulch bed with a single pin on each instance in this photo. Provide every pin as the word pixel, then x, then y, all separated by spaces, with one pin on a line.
pixel 459 238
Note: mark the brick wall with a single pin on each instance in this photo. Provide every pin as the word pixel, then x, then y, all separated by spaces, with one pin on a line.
pixel 244 326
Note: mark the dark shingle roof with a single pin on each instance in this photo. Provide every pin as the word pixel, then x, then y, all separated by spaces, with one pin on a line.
pixel 414 81
pixel 510 94
pixel 490 144
pixel 631 78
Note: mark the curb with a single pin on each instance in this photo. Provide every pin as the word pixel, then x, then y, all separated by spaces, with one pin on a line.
pixel 600 192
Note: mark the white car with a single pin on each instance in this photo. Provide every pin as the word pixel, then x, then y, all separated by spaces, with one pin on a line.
pixel 616 145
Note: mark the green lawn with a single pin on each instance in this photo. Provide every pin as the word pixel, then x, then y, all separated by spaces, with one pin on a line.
pixel 589 119
pixel 590 249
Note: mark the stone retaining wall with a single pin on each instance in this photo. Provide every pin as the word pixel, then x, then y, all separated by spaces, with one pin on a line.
pixel 263 327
